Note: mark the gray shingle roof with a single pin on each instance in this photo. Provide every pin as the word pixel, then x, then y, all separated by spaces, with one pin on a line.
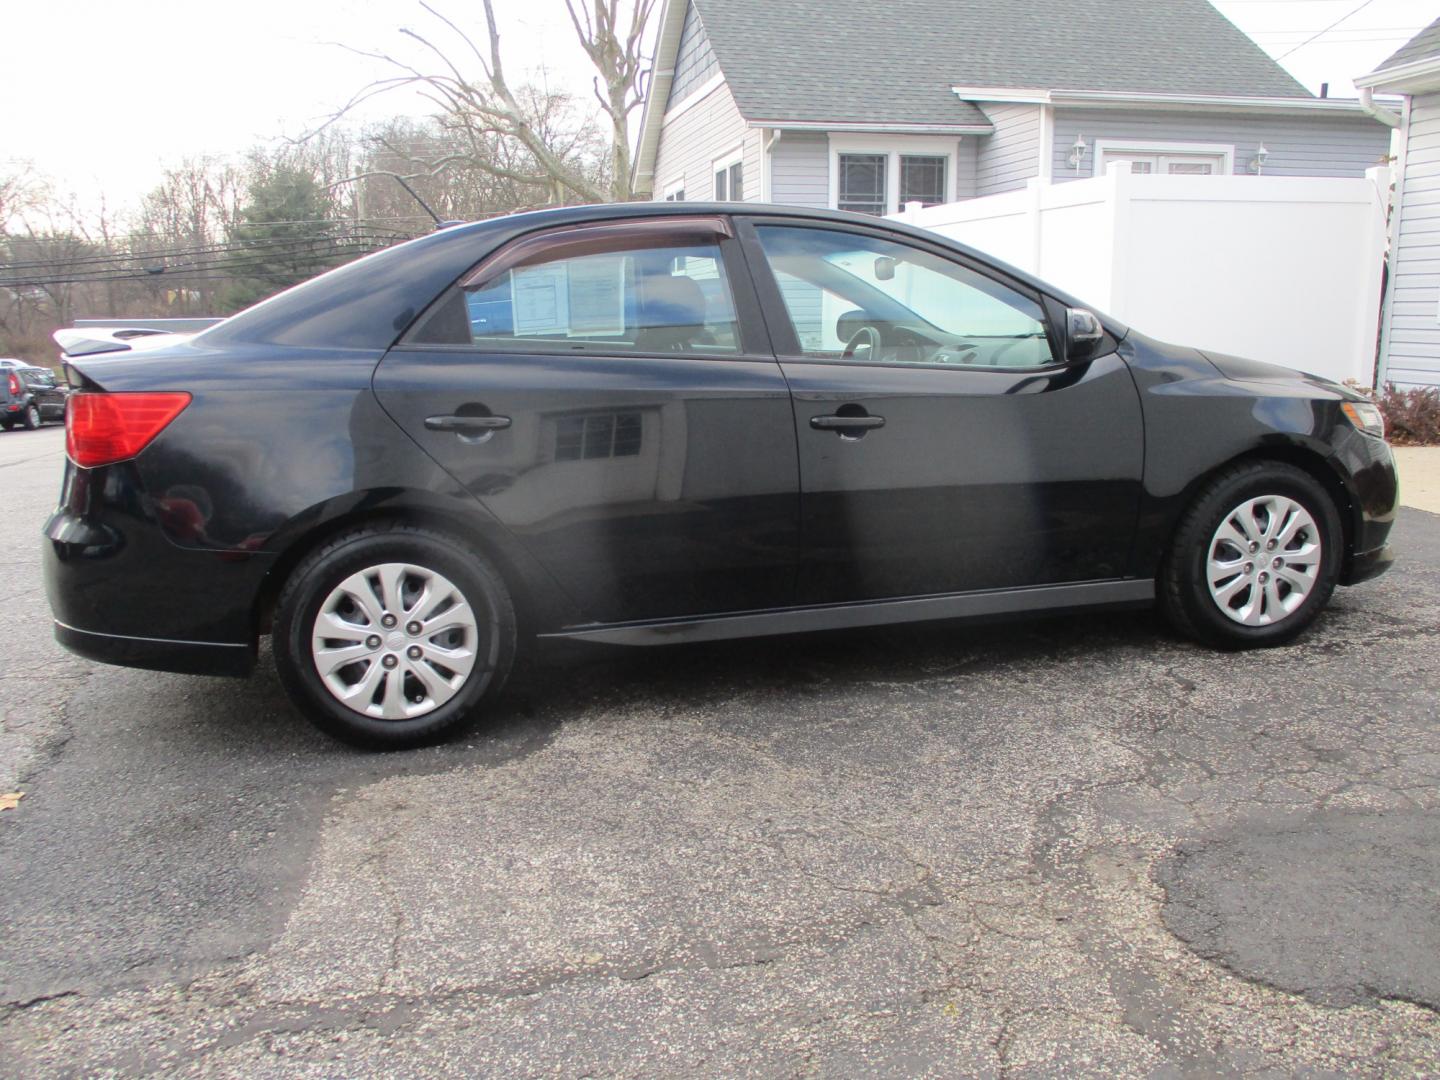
pixel 859 61
pixel 1422 45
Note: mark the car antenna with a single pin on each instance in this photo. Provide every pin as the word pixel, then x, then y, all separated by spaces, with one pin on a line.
pixel 423 204
pixel 439 224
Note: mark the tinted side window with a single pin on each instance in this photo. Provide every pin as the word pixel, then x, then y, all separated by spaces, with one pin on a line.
pixel 663 299
pixel 867 299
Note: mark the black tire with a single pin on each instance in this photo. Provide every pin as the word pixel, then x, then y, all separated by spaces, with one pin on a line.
pixel 31 417
pixel 319 573
pixel 1184 588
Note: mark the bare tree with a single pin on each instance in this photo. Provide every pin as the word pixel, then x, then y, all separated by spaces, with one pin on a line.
pixel 491 119
pixel 18 193
pixel 192 209
pixel 613 40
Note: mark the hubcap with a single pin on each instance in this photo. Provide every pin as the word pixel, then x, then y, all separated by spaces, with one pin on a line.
pixel 1260 591
pixel 370 666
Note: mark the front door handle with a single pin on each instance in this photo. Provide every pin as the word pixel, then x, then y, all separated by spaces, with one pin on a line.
pixel 844 424
pixel 467 425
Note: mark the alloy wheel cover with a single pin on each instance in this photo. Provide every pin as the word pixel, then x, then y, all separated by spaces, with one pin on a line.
pixel 1263 560
pixel 395 641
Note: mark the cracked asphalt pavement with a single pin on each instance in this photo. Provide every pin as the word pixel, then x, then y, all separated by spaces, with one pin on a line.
pixel 1077 845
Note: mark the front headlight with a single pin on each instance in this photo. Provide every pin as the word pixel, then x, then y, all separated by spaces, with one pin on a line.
pixel 1366 416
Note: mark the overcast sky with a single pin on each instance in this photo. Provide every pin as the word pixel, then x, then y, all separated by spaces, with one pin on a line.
pixel 100 95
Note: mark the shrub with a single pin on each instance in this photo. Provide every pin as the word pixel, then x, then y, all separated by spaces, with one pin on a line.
pixel 1412 415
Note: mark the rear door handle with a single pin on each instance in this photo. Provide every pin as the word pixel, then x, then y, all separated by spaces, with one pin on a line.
pixel 846 423
pixel 467 425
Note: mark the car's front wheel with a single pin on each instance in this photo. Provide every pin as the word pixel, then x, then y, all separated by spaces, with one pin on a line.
pixel 391 635
pixel 1255 557
pixel 32 417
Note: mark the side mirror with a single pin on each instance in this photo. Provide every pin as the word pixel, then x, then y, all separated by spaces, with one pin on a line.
pixel 1084 336
pixel 884 268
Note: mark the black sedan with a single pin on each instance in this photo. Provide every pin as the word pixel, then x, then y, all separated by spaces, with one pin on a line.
pixel 652 423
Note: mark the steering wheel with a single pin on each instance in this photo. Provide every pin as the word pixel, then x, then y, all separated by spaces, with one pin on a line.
pixel 866 335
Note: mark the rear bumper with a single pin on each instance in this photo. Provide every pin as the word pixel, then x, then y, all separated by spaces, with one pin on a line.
pixel 121 592
pixel 1367 565
pixel 158 654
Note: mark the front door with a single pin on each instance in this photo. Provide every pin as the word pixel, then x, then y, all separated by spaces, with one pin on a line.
pixel 609 394
pixel 943 448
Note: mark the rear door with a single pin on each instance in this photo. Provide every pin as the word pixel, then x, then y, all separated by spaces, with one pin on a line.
pixel 610 395
pixel 943 446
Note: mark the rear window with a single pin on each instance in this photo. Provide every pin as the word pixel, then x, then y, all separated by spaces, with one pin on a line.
pixel 645 290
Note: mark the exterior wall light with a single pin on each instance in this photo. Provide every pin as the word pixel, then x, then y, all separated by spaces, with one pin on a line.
pixel 1077 152
pixel 1257 163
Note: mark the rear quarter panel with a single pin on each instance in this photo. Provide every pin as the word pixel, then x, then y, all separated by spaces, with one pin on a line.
pixel 277 447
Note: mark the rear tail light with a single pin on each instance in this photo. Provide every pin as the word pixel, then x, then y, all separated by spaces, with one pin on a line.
pixel 101 429
pixel 14 385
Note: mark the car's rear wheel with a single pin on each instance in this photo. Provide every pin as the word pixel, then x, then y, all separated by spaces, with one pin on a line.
pixel 1255 557
pixel 32 417
pixel 390 636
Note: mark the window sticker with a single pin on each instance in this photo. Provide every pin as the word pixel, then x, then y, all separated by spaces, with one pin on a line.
pixel 597 296
pixel 540 297
pixel 579 297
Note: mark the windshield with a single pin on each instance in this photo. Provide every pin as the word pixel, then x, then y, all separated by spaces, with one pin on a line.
pixel 38 376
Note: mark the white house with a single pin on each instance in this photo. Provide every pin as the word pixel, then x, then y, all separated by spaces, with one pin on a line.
pixel 1410 322
pixel 867 107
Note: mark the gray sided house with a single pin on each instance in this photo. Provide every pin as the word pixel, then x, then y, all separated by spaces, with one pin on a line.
pixel 862 106
pixel 1410 323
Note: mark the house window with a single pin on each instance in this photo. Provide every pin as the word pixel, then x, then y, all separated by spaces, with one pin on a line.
pixel 1165 159
pixel 922 179
pixel 879 174
pixel 675 192
pixel 862 183
pixel 730 179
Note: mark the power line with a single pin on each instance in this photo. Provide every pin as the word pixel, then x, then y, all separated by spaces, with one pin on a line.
pixel 226 264
pixel 180 280
pixel 164 254
pixel 328 223
pixel 1363 5
pixel 231 267
pixel 1352 30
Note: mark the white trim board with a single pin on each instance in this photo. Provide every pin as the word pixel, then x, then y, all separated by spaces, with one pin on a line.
pixel 699 94
pixel 857 127
pixel 1112 99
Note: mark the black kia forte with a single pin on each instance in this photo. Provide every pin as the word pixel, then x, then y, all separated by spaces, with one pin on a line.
pixel 656 423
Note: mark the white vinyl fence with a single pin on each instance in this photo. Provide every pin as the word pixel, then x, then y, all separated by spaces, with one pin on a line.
pixel 1282 269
